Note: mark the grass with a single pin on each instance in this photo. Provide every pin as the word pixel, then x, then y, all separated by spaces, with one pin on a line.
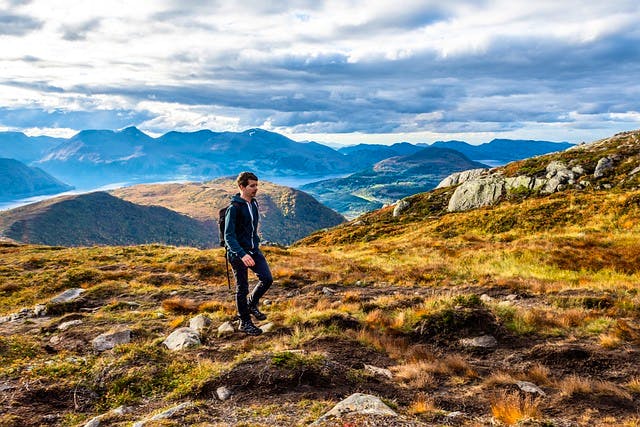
pixel 511 408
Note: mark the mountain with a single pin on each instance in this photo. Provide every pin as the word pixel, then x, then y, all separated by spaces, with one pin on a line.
pixel 17 145
pixel 101 219
pixel 96 157
pixel 504 150
pixel 389 180
pixel 18 181
pixel 286 214
pixel 365 155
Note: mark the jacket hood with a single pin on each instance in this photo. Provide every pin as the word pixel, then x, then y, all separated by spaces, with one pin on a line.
pixel 236 198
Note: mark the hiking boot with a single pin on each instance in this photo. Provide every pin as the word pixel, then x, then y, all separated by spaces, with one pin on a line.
pixel 249 328
pixel 257 313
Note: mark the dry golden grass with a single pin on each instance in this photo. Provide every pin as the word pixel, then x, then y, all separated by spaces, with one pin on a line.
pixel 538 374
pixel 574 385
pixel 422 405
pixel 395 347
pixel 352 297
pixel 180 305
pixel 610 341
pixel 511 408
pixel 415 375
pixel 634 385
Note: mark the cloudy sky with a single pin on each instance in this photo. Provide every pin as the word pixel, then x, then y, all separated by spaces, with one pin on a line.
pixel 338 71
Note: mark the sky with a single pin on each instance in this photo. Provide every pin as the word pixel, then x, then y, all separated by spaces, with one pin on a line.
pixel 338 72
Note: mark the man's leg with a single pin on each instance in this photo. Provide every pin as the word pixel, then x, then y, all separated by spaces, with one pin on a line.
pixel 241 275
pixel 262 270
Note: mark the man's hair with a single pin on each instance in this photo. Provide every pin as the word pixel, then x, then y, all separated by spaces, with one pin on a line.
pixel 243 178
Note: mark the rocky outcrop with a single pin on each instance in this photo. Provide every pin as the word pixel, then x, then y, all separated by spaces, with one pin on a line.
pixel 478 192
pixel 460 177
pixel 109 340
pixel 604 165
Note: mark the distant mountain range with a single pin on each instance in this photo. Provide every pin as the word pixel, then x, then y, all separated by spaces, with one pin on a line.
pixel 174 214
pixel 502 151
pixel 18 181
pixel 93 158
pixel 389 180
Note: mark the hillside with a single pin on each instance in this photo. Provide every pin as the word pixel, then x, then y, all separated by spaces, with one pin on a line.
pixel 17 145
pixel 524 311
pixel 18 181
pixel 286 214
pixel 101 219
pixel 389 180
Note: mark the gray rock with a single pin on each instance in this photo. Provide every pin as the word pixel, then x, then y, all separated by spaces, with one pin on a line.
pixel 379 372
pixel 182 338
pixel 635 171
pixel 109 340
pixel 328 291
pixel 68 295
pixel 485 298
pixel 528 387
pixel 40 310
pixel 604 165
pixel 200 323
pixel 70 324
pixel 267 327
pixel 484 341
pixel 165 414
pixel 401 206
pixel 460 177
pixel 476 193
pixel 223 393
pixel 226 329
pixel 358 403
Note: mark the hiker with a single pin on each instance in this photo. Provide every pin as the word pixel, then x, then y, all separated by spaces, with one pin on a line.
pixel 243 252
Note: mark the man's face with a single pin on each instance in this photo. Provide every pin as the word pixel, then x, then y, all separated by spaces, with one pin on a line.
pixel 250 190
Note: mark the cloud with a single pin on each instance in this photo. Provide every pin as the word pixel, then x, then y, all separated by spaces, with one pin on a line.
pixel 80 31
pixel 17 25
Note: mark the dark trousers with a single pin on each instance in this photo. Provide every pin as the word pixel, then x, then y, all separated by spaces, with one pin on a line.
pixel 241 274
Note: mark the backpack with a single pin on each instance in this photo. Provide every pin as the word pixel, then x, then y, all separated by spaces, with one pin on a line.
pixel 222 213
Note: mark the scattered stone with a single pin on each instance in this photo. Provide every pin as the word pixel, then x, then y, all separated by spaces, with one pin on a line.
pixel 604 165
pixel 67 296
pixel 484 341
pixel 200 323
pixel 267 327
pixel 358 403
pixel 511 297
pixel 401 206
pixel 5 319
pixel 454 414
pixel 40 310
pixel 380 372
pixel 109 340
pixel 22 314
pixel 182 338
pixel 164 415
pixel 485 298
pixel 528 387
pixel 226 329
pixel 70 324
pixel 55 339
pixel 223 393
pixel 328 291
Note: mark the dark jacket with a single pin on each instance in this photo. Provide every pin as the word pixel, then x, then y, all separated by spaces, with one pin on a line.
pixel 240 232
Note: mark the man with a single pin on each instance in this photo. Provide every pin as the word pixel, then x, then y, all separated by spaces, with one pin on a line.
pixel 242 242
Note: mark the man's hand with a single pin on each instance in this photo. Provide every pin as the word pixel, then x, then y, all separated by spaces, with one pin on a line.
pixel 248 261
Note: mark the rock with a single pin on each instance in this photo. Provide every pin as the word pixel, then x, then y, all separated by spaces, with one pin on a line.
pixel 55 339
pixel 70 324
pixel 67 296
pixel 454 414
pixel 635 171
pixel 95 421
pixel 164 415
pixel 40 310
pixel 267 327
pixel 485 298
pixel 460 177
pixel 223 393
pixel 604 165
pixel 558 175
pixel 528 387
pixel 379 372
pixel 109 340
pixel 226 329
pixel 200 323
pixel 267 302
pixel 328 291
pixel 358 403
pixel 476 193
pixel 484 341
pixel 401 206
pixel 511 297
pixel 182 338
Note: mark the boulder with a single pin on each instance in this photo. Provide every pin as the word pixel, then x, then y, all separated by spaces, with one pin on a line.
pixel 358 403
pixel 401 206
pixel 226 329
pixel 479 192
pixel 40 310
pixel 267 327
pixel 378 372
pixel 484 341
pixel 200 323
pixel 182 338
pixel 460 177
pixel 109 340
pixel 223 393
pixel 528 387
pixel 603 166
pixel 67 296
